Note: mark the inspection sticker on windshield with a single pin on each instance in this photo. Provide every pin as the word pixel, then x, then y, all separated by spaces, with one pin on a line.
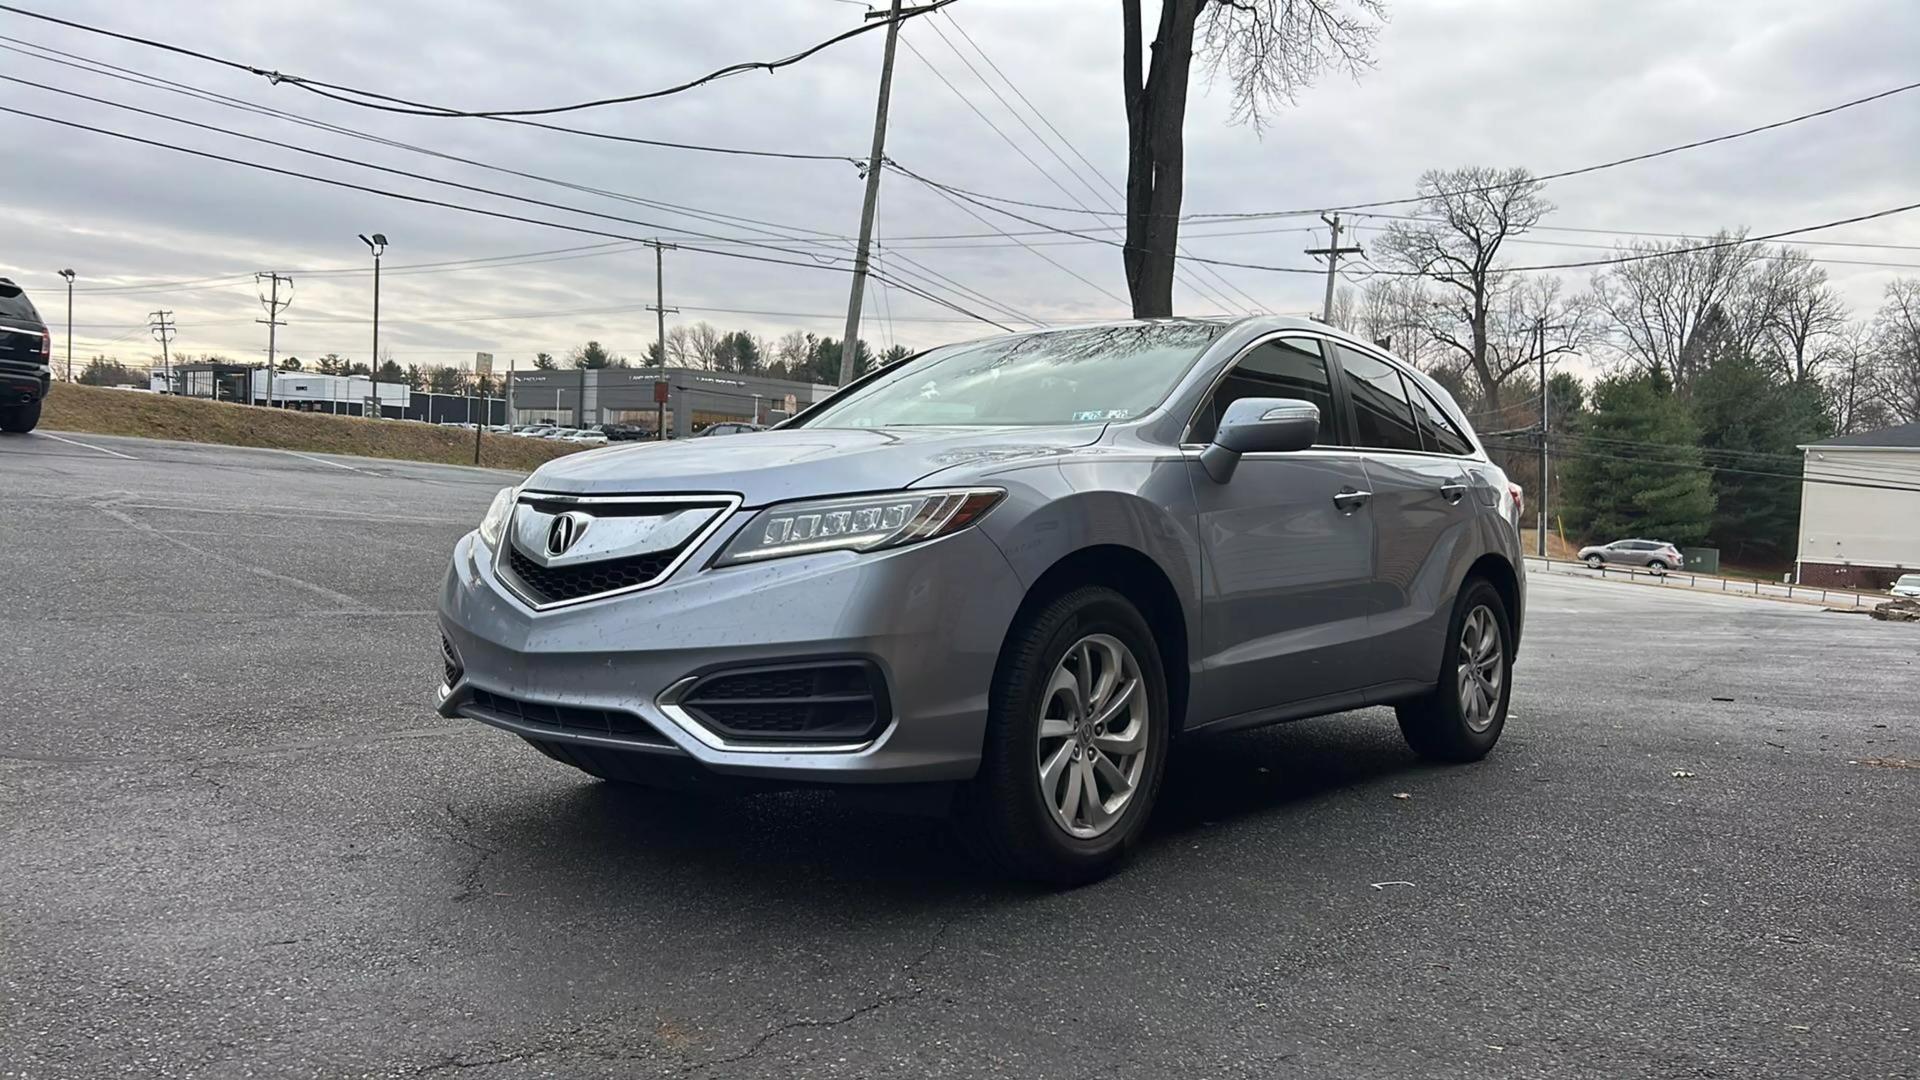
pixel 1102 414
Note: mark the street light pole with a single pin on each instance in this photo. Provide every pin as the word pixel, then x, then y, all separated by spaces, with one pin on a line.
pixel 68 274
pixel 377 243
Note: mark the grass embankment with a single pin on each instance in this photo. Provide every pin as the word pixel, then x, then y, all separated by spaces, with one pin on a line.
pixel 1556 547
pixel 103 411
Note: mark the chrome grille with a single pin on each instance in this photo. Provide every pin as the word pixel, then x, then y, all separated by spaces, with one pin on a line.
pixel 568 550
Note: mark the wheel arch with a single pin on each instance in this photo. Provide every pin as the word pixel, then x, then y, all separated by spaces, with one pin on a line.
pixel 1136 576
pixel 1494 569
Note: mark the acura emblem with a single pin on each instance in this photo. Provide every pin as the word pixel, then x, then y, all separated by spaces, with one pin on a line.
pixel 566 531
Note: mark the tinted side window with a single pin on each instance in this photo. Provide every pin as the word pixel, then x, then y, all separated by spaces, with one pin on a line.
pixel 1284 368
pixel 1381 414
pixel 1437 432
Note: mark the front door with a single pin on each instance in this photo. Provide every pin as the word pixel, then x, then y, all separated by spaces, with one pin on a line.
pixel 1287 549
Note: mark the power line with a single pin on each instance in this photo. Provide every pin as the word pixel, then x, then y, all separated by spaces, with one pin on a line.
pixel 499 214
pixel 1542 178
pixel 1192 276
pixel 1633 257
pixel 1849 480
pixel 1028 158
pixel 924 273
pixel 403 105
pixel 588 133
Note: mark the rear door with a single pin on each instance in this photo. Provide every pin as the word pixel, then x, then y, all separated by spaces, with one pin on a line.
pixel 1286 547
pixel 1416 467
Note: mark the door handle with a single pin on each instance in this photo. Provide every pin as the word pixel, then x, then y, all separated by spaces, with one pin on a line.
pixel 1453 493
pixel 1348 499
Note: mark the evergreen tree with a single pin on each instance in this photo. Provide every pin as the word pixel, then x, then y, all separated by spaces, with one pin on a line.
pixel 1748 421
pixel 545 361
pixel 1632 466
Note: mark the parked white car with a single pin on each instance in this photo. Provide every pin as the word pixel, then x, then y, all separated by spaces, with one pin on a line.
pixel 1908 585
pixel 589 438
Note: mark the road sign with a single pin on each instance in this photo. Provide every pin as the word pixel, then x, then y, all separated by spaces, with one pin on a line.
pixel 791 404
pixel 660 392
pixel 483 364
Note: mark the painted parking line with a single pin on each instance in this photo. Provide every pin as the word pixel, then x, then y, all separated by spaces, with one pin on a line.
pixel 88 446
pixel 323 461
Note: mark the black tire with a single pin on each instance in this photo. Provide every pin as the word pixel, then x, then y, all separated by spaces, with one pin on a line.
pixel 1002 813
pixel 1435 725
pixel 1595 562
pixel 1657 567
pixel 20 419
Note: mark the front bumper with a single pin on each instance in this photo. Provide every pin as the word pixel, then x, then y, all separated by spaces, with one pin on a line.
pixel 931 617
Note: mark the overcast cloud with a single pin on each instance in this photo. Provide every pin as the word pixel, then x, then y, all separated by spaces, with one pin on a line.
pixel 1497 82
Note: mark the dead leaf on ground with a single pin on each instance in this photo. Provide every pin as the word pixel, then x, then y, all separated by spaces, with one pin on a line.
pixel 1890 763
pixel 1682 774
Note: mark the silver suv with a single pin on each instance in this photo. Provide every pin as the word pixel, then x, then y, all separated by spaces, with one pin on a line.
pixel 1656 555
pixel 1004 577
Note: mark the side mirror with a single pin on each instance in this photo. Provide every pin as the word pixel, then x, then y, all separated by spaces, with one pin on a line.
pixel 1259 425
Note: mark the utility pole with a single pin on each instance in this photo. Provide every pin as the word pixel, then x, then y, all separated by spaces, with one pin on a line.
pixel 660 308
pixel 1540 345
pixel 161 323
pixel 1332 251
pixel 274 306
pixel 68 274
pixel 850 343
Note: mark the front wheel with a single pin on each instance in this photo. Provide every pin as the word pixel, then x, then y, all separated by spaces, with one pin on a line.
pixel 1076 742
pixel 1596 561
pixel 20 419
pixel 1463 716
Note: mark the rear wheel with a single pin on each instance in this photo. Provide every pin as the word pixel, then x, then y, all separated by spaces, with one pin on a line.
pixel 1462 718
pixel 20 419
pixel 1657 567
pixel 1076 742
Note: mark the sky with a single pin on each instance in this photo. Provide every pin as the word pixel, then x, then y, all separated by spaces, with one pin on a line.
pixel 1548 86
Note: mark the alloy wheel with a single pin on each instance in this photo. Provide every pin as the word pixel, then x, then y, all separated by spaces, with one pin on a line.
pixel 1481 670
pixel 1092 745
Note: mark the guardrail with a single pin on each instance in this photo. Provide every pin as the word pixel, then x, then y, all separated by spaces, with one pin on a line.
pixel 1716 583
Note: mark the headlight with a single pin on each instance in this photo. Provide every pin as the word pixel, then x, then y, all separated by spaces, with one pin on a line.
pixel 494 525
pixel 866 523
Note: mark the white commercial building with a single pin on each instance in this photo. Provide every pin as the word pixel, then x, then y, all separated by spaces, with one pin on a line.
pixel 1860 509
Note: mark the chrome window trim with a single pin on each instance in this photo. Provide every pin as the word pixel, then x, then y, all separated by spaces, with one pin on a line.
pixel 726 507
pixel 1227 369
pixel 668 704
pixel 23 330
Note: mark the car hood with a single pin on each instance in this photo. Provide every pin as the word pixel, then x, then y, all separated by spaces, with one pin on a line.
pixel 773 466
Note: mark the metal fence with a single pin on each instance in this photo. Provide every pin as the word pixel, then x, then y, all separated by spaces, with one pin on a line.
pixel 1777 590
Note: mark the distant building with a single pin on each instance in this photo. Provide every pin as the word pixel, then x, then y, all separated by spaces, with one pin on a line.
pixel 1860 509
pixel 582 397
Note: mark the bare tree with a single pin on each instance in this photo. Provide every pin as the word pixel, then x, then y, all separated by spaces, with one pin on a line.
pixel 791 351
pixel 703 344
pixel 1393 313
pixel 1850 367
pixel 1659 307
pixel 1346 310
pixel 680 351
pixel 1467 215
pixel 1268 49
pixel 1801 316
pixel 1896 345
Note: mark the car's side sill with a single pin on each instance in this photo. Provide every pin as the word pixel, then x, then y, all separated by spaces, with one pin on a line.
pixel 1378 694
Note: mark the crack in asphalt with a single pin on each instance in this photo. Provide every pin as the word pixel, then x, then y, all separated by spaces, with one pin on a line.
pixel 469 881
pixel 882 1002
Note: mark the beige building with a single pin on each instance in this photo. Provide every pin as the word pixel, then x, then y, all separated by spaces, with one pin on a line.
pixel 1860 509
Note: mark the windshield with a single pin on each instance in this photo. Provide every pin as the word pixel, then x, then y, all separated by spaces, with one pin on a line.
pixel 1084 376
pixel 1908 579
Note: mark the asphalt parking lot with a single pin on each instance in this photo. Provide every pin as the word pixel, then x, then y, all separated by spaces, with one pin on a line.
pixel 235 840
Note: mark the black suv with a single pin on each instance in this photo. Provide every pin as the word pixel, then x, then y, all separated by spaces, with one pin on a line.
pixel 26 360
